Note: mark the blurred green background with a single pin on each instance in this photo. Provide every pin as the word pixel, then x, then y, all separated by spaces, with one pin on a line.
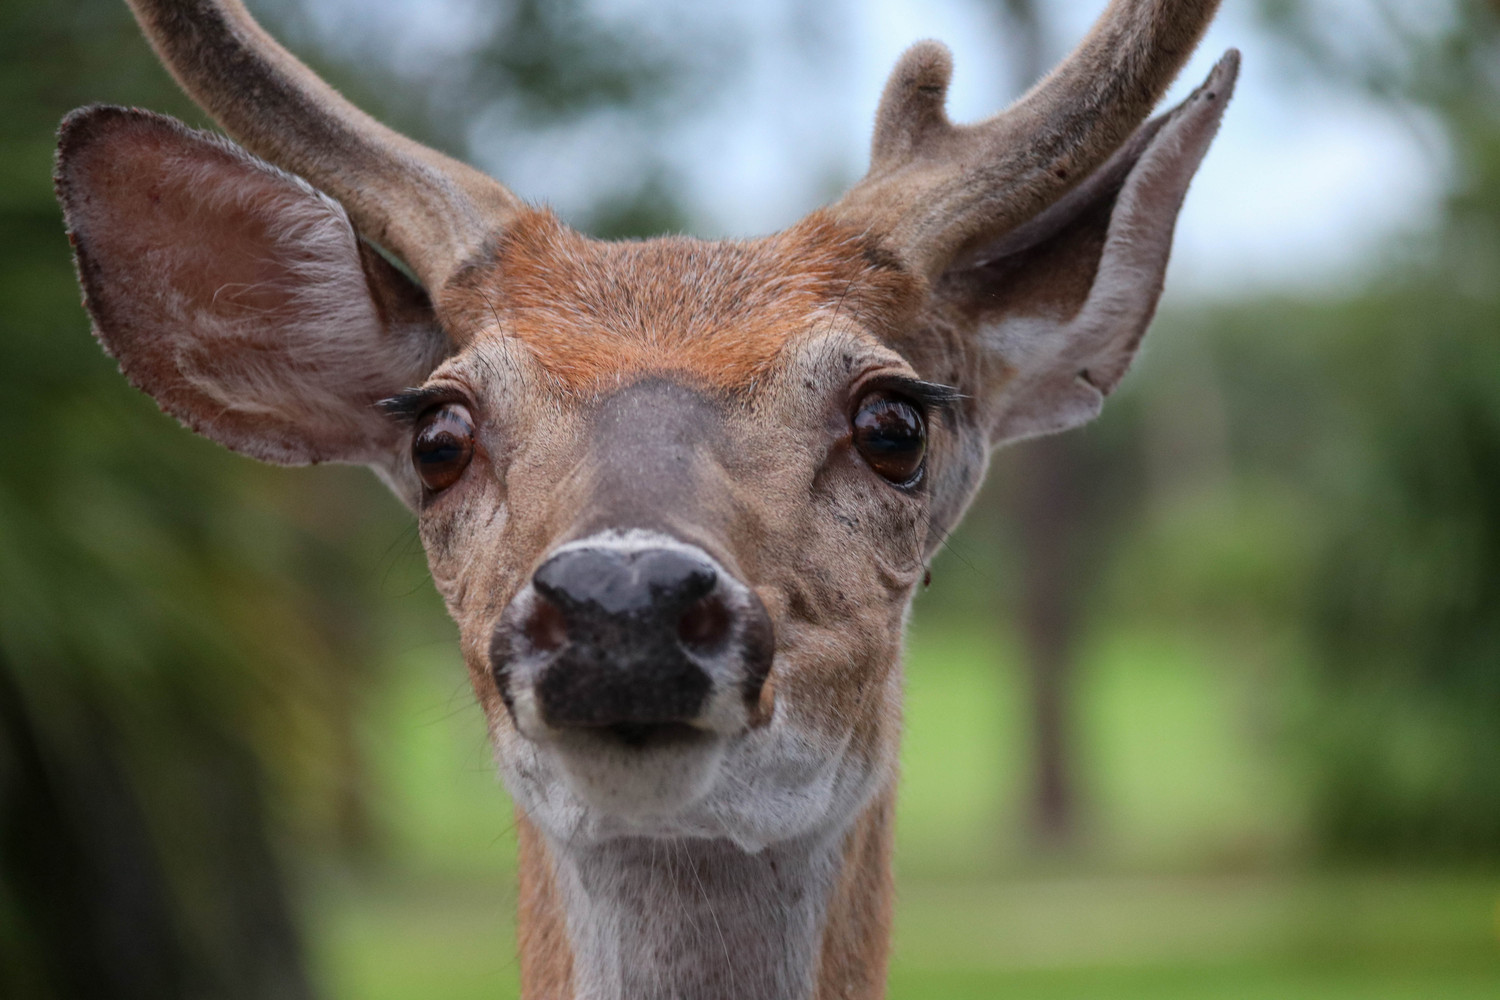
pixel 1204 701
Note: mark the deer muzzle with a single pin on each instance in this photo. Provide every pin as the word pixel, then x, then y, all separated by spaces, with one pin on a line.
pixel 634 639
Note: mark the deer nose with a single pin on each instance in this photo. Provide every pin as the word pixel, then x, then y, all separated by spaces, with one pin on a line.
pixel 633 641
pixel 633 597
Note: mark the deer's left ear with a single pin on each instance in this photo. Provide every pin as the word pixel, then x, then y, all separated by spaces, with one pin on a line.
pixel 1059 304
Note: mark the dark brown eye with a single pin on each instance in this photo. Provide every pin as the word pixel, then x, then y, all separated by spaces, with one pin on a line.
pixel 891 434
pixel 442 445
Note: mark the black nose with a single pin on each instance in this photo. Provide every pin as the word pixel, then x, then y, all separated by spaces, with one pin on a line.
pixel 625 634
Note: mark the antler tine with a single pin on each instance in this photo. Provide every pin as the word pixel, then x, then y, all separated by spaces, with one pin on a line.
pixel 431 210
pixel 935 188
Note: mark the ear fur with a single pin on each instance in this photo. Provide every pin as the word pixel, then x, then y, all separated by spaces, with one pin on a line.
pixel 1060 304
pixel 235 294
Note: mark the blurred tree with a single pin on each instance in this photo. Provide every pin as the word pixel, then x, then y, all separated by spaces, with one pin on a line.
pixel 1049 483
pixel 1060 501
pixel 530 71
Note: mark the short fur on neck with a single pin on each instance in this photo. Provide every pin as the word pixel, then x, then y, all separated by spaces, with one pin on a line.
pixel 695 918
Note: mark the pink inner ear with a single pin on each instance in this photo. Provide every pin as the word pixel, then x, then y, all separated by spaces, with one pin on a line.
pixel 231 292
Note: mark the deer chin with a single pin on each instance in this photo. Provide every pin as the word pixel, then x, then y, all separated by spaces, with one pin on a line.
pixel 584 787
pixel 642 779
pixel 771 784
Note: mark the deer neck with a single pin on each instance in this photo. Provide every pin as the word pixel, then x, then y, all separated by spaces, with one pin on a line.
pixel 700 919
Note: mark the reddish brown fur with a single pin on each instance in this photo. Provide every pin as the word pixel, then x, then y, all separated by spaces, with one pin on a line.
pixel 717 312
pixel 856 939
pixel 541 925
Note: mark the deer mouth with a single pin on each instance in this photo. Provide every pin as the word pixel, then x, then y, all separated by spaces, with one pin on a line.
pixel 636 772
pixel 652 735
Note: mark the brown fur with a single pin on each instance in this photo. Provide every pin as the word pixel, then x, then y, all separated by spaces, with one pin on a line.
pixel 245 331
pixel 717 312
pixel 855 947
pixel 856 941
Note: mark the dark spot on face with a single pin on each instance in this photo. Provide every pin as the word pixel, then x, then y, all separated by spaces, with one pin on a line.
pixel 438 533
pixel 798 605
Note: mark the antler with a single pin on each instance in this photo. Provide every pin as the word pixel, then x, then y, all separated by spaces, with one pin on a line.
pixel 935 189
pixel 431 210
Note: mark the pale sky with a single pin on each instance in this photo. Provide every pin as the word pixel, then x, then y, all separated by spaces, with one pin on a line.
pixel 1305 184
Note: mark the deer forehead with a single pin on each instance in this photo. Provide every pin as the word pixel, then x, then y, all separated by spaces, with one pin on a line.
pixel 718 312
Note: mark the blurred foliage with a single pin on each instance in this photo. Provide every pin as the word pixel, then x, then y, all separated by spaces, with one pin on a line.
pixel 180 636
pixel 1362 440
pixel 1398 437
pixel 526 72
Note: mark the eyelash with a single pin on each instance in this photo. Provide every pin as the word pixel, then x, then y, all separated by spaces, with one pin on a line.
pixel 930 397
pixel 407 407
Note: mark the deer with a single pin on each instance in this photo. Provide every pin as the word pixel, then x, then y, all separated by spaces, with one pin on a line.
pixel 676 494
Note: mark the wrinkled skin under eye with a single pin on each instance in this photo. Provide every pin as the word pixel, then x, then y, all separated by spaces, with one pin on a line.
pixel 442 445
pixel 891 434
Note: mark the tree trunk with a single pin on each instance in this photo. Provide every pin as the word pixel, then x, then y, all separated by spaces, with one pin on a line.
pixel 1049 477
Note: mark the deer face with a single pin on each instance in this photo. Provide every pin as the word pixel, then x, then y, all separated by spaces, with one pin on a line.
pixel 676 494
pixel 682 494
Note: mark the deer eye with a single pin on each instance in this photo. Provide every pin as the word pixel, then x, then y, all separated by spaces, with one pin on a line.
pixel 442 445
pixel 891 434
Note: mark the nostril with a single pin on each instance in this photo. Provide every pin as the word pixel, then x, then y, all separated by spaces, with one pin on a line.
pixel 674 580
pixel 706 625
pixel 545 628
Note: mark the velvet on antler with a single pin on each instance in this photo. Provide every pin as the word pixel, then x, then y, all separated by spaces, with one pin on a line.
pixel 935 189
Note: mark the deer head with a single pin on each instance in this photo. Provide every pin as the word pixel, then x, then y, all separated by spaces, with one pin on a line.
pixel 676 494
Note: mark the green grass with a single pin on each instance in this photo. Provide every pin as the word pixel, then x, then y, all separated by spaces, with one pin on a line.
pixel 428 938
pixel 1354 935
pixel 1359 979
pixel 1187 884
pixel 1175 772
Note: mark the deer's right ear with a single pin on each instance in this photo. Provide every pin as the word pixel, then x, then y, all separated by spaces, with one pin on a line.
pixel 235 294
pixel 1060 303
